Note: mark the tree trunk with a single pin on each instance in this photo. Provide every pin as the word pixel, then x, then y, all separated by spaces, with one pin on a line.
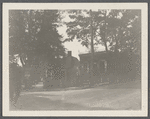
pixel 92 45
pixel 116 46
pixel 117 40
pixel 104 39
pixel 106 48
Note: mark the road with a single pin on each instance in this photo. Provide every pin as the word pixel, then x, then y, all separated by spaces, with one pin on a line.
pixel 125 96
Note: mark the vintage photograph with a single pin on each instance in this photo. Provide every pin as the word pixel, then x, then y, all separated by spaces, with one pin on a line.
pixel 75 59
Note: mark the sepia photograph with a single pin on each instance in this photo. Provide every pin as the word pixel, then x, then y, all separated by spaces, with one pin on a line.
pixel 75 59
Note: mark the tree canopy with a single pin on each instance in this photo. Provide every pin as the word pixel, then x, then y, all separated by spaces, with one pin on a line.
pixel 33 35
pixel 117 30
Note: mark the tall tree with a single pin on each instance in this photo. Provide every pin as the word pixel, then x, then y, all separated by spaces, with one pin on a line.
pixel 82 28
pixel 115 29
pixel 121 24
pixel 33 33
pixel 34 38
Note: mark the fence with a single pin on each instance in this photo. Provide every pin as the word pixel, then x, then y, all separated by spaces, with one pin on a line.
pixel 114 69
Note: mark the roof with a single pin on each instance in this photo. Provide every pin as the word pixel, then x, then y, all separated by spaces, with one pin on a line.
pixel 96 53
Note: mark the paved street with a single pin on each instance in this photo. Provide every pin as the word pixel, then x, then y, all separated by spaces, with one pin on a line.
pixel 125 96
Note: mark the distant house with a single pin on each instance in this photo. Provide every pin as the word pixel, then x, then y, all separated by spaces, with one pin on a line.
pixel 100 61
pixel 98 56
pixel 105 61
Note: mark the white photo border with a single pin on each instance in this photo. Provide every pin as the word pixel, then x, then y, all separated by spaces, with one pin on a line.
pixel 144 44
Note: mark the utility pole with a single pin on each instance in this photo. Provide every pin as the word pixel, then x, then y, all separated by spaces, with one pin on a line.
pixel 92 46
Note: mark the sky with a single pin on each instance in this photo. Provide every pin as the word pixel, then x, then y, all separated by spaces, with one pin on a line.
pixel 74 45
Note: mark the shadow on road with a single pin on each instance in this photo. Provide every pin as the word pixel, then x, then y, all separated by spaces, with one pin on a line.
pixel 125 96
